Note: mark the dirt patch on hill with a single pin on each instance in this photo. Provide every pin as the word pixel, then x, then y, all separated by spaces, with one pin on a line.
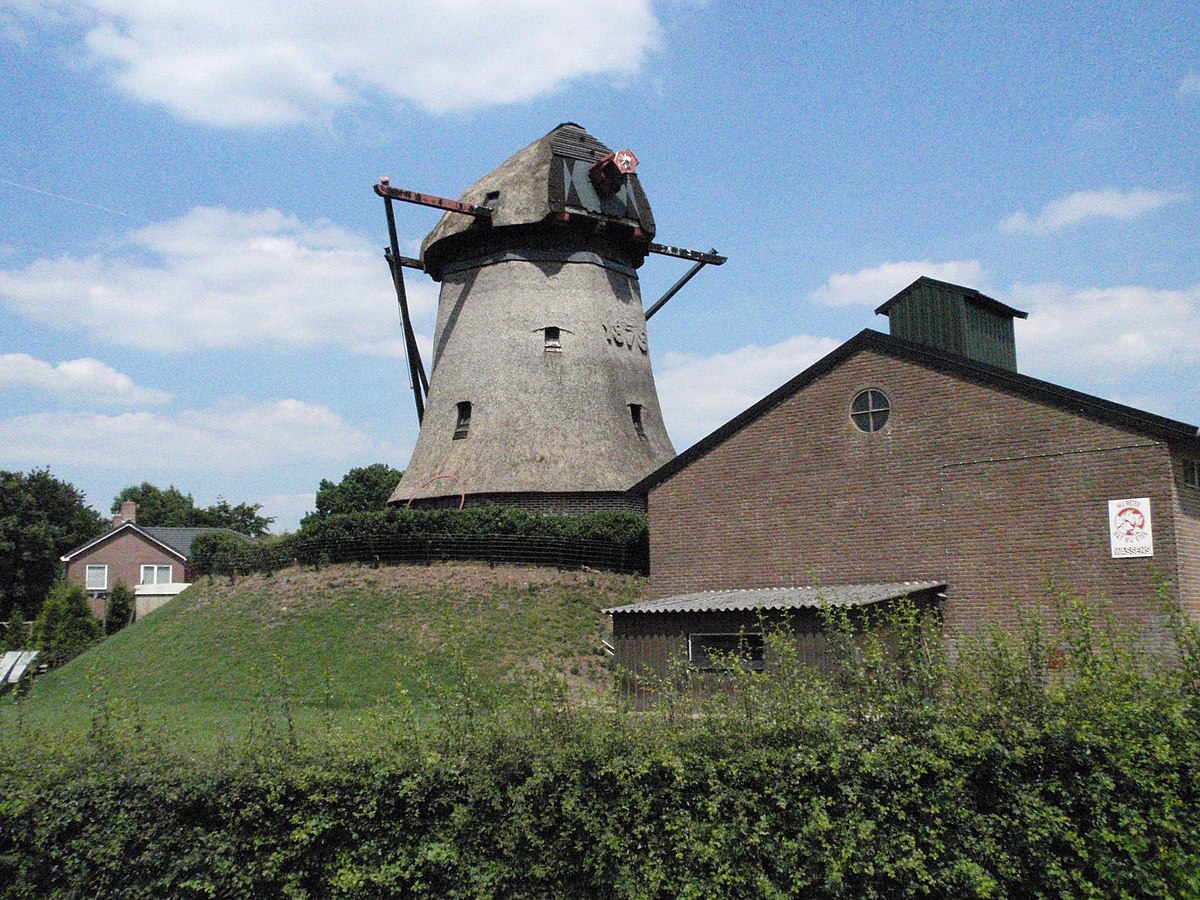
pixel 466 580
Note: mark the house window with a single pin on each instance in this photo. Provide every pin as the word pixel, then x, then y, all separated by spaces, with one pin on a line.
pixel 1191 472
pixel 156 574
pixel 870 410
pixel 463 425
pixel 635 413
pixel 97 578
pixel 721 652
pixel 553 342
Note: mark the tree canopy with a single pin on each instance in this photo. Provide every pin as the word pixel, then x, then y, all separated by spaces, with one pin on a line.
pixel 171 508
pixel 361 489
pixel 41 518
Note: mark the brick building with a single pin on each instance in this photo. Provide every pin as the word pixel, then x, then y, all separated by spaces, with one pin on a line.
pixel 152 561
pixel 923 456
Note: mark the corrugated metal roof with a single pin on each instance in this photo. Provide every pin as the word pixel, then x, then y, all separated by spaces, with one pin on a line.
pixel 781 598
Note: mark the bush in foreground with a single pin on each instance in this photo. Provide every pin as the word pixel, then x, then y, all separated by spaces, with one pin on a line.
pixel 1000 774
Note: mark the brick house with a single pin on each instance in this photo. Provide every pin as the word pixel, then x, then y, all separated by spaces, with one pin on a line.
pixel 923 456
pixel 152 561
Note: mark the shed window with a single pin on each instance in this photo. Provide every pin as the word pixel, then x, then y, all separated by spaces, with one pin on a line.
pixel 870 410
pixel 553 342
pixel 463 425
pixel 97 578
pixel 1191 472
pixel 635 413
pixel 720 652
pixel 156 574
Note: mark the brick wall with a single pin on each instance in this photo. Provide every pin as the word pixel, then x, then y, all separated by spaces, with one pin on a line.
pixel 1187 531
pixel 993 493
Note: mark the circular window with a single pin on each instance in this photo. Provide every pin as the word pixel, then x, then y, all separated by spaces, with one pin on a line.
pixel 870 410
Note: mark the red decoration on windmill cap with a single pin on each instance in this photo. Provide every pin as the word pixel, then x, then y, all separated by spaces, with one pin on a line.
pixel 610 172
pixel 626 161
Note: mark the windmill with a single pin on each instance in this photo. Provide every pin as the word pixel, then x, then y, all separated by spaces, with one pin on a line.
pixel 540 393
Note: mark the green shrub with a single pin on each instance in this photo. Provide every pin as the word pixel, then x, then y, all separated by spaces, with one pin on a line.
pixel 16 635
pixel 363 536
pixel 120 608
pixel 66 626
pixel 226 553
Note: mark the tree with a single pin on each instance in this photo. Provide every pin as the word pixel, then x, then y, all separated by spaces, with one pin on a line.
pixel 174 509
pixel 16 636
pixel 243 518
pixel 158 508
pixel 360 490
pixel 120 608
pixel 41 518
pixel 66 626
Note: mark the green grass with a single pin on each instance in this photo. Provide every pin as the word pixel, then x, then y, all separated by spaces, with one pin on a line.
pixel 307 649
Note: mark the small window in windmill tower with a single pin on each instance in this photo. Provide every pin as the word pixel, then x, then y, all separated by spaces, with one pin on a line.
pixel 1191 472
pixel 635 413
pixel 553 340
pixel 463 425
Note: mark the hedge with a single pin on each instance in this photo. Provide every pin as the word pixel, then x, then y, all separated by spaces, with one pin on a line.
pixel 610 539
pixel 999 774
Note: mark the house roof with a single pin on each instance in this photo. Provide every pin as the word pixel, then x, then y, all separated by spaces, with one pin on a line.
pixel 969 294
pixel 781 598
pixel 1097 408
pixel 174 540
pixel 180 539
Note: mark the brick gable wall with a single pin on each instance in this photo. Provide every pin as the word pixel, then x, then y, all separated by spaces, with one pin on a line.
pixel 993 493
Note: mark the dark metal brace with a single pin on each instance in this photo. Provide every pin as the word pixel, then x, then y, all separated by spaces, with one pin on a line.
pixel 385 190
pixel 712 258
pixel 678 286
pixel 416 370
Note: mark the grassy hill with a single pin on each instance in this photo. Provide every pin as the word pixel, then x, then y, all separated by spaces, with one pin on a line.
pixel 347 642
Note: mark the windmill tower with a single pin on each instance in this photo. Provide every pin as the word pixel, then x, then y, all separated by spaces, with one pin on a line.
pixel 540 393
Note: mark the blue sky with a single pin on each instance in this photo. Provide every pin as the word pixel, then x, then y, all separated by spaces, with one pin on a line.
pixel 192 289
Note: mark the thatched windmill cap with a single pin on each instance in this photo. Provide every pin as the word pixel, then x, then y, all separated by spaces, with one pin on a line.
pixel 545 196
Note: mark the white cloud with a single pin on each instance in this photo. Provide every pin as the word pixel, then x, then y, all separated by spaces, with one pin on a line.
pixel 262 63
pixel 77 379
pixel 1189 86
pixel 872 287
pixel 223 438
pixel 700 393
pixel 1083 205
pixel 219 278
pixel 1115 336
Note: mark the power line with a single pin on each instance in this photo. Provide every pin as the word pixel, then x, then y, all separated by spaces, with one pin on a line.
pixel 98 206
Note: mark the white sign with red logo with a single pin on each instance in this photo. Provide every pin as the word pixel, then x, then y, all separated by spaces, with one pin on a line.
pixel 1129 529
